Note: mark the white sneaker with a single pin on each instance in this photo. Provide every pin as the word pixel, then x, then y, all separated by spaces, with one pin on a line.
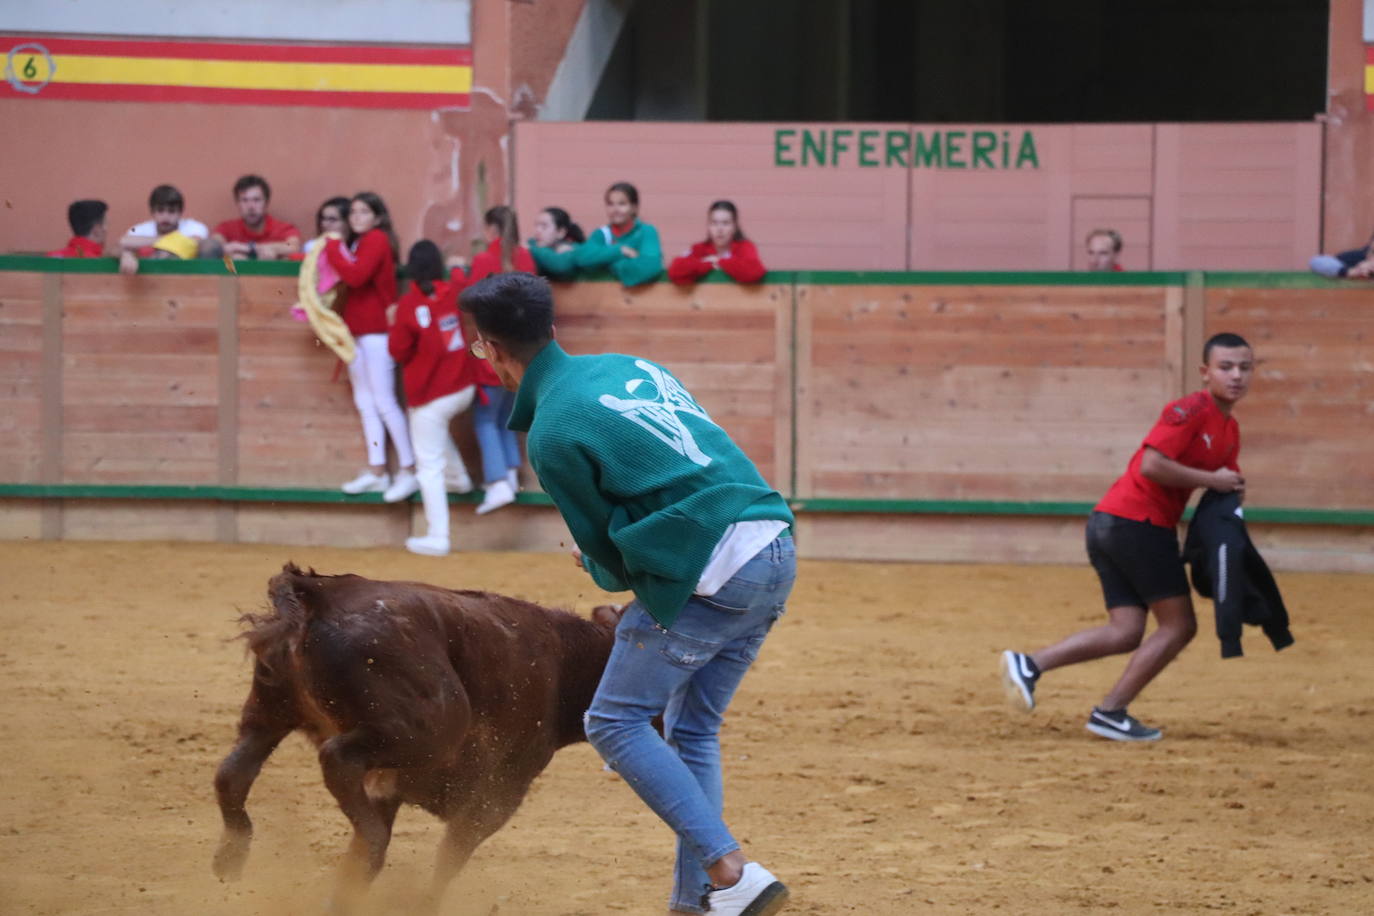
pixel 499 493
pixel 367 482
pixel 430 545
pixel 458 484
pixel 513 478
pixel 403 487
pixel 757 893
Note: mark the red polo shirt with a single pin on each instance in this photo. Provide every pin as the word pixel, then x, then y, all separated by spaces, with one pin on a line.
pixel 79 247
pixel 1192 431
pixel 427 340
pixel 273 230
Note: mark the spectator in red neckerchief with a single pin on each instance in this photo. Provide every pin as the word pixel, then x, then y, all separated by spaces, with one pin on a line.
pixel 368 268
pixel 87 219
pixel 256 234
pixel 725 248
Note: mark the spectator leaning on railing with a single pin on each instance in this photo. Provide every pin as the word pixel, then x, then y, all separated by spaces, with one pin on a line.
pixel 554 245
pixel 166 206
pixel 87 219
pixel 1357 262
pixel 725 249
pixel 256 234
pixel 626 247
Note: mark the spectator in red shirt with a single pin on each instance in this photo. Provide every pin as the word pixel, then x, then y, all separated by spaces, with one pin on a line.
pixel 87 219
pixel 725 248
pixel 256 234
pixel 440 382
pixel 368 268
pixel 1104 250
pixel 503 253
pixel 1133 543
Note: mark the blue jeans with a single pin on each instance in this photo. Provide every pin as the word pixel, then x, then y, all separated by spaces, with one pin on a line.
pixel 688 674
pixel 500 448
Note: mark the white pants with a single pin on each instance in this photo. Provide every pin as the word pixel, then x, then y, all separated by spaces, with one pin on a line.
pixel 373 376
pixel 436 457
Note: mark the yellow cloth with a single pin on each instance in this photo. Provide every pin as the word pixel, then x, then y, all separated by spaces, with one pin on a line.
pixel 175 243
pixel 327 324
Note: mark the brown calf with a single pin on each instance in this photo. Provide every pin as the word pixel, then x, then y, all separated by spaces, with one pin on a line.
pixel 451 700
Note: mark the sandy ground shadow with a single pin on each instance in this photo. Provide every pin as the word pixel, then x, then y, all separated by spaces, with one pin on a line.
pixel 870 758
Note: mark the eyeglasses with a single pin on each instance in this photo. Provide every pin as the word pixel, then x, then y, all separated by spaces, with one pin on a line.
pixel 479 349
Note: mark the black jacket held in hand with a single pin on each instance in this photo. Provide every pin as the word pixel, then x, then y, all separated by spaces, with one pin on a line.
pixel 1228 569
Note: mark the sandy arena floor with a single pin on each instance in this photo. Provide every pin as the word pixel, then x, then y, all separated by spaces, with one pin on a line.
pixel 871 760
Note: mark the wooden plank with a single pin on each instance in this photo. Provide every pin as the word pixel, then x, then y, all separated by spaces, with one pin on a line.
pixel 227 407
pixel 52 458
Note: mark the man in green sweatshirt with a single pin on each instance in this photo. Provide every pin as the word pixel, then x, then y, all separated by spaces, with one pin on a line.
pixel 661 502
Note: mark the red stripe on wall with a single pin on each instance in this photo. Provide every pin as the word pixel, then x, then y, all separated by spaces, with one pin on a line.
pixel 203 50
pixel 309 98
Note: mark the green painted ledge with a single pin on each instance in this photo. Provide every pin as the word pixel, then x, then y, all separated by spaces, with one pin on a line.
pixel 249 494
pixel 36 263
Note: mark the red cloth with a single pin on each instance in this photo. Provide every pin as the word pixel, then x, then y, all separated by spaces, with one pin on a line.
pixel 370 276
pixel 79 247
pixel 1192 431
pixel 427 340
pixel 273 230
pixel 741 263
pixel 489 262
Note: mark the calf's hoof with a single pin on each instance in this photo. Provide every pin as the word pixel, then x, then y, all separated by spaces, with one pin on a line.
pixel 230 856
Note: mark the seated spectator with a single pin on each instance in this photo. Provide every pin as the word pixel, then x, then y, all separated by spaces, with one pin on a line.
pixel 503 253
pixel 426 339
pixel 625 246
pixel 725 248
pixel 1357 262
pixel 256 234
pixel 555 242
pixel 166 206
pixel 1104 250
pixel 87 219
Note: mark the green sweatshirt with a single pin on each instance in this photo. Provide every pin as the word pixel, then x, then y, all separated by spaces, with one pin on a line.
pixel 645 481
pixel 602 249
pixel 556 265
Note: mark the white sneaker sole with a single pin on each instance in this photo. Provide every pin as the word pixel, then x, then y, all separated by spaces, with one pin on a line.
pixel 769 901
pixel 1108 732
pixel 1016 691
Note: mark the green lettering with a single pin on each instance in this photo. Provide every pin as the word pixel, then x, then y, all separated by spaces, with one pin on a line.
pixel 896 150
pixel 866 148
pixel 30 71
pixel 984 142
pixel 1006 145
pixel 779 147
pixel 836 147
pixel 813 146
pixel 1027 151
pixel 954 147
pixel 925 154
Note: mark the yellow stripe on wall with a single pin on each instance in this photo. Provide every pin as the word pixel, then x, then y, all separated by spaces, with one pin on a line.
pixel 1369 78
pixel 237 74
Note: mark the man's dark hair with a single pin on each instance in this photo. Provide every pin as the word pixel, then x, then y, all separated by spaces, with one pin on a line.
pixel 165 196
pixel 1224 339
pixel 514 309
pixel 252 181
pixel 85 215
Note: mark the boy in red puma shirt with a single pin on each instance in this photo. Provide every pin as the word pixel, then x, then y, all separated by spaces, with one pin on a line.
pixel 1133 543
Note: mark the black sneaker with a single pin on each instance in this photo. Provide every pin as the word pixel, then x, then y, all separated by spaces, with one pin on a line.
pixel 1120 726
pixel 1019 675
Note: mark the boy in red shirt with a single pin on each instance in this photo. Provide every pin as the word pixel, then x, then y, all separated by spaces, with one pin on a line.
pixel 87 219
pixel 1133 544
pixel 256 235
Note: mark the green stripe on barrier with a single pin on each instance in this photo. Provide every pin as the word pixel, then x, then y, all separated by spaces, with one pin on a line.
pixel 820 505
pixel 987 278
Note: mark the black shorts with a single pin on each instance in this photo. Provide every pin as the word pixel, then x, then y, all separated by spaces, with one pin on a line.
pixel 1137 562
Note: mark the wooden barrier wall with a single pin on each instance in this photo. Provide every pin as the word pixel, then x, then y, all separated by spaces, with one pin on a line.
pixel 922 416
